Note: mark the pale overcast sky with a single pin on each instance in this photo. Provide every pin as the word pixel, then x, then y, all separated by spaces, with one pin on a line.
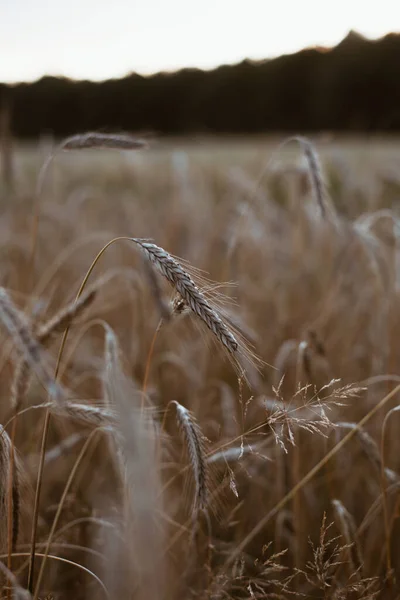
pixel 98 39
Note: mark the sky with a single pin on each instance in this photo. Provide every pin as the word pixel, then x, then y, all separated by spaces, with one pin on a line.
pixel 99 39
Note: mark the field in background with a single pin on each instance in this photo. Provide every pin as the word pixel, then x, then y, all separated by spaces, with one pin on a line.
pixel 317 299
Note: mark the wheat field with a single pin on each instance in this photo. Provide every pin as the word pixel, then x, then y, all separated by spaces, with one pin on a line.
pixel 199 369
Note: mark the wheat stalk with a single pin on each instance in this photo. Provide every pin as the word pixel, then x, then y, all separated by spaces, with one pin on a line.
pixel 316 178
pixel 135 437
pixel 9 475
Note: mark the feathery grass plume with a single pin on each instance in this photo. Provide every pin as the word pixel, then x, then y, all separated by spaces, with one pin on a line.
pixel 320 572
pixel 311 416
pixel 66 316
pixel 193 297
pixel 112 141
pixel 136 443
pixel 27 344
pixel 348 530
pixel 195 447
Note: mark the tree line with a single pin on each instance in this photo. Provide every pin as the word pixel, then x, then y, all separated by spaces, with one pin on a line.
pixel 354 86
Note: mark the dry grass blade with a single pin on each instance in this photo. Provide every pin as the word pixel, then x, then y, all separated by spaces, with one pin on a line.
pixel 112 141
pixel 193 438
pixel 27 344
pixel 194 298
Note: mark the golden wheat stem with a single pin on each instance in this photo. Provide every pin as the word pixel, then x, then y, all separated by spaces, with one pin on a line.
pixel 13 509
pixel 76 142
pixel 35 517
pixel 65 561
pixel 383 480
pixel 148 361
pixel 59 510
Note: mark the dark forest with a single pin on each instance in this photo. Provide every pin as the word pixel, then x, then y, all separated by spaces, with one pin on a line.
pixel 354 86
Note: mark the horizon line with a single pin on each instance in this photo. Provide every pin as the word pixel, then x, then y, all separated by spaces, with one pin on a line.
pixel 174 70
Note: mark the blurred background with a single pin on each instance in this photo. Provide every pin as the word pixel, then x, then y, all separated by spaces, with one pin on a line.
pixel 208 67
pixel 308 236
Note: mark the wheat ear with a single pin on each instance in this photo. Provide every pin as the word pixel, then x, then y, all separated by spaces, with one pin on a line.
pixel 58 323
pixel 185 286
pixel 193 438
pixel 27 344
pixel 349 532
pixel 316 177
pixel 19 384
pixel 370 450
pixel 112 141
